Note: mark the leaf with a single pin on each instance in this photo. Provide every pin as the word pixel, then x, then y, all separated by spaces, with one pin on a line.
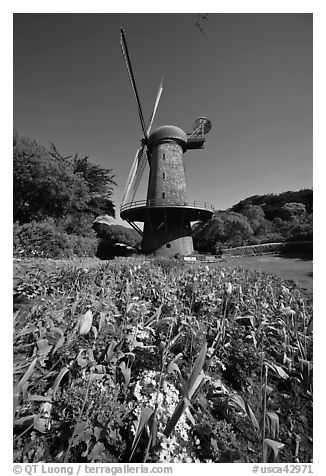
pixel 126 372
pixel 281 373
pixel 306 370
pixel 197 368
pixel 190 417
pixel 58 380
pixel 39 398
pixel 173 367
pixel 97 453
pixel 266 388
pixel 102 321
pixel 110 351
pixel 153 429
pixel 238 400
pixel 94 332
pixel 28 373
pixel 43 348
pixel 253 335
pixel 180 408
pixel 270 450
pixel 287 361
pixel 142 421
pixel 74 306
pixel 60 341
pixel 23 420
pixel 273 424
pixel 79 431
pixel 16 394
pixel 252 417
pixel 172 342
pixel 197 385
pixel 155 316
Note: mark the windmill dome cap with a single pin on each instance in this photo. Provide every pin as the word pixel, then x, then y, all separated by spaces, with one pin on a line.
pixel 167 132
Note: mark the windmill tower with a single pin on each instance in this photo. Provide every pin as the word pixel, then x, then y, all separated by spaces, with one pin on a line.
pixel 167 212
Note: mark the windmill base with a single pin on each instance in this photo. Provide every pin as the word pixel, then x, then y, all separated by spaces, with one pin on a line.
pixel 167 235
pixel 182 246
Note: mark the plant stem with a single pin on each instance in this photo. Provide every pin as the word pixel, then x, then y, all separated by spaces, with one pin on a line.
pixel 264 411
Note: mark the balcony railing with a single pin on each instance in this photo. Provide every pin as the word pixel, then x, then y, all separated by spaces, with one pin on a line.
pixel 163 202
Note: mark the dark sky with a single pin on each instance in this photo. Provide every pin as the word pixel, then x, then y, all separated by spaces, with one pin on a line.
pixel 251 76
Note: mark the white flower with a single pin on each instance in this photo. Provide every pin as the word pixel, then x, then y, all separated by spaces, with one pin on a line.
pixel 228 289
pixel 85 323
pixel 285 290
pixel 287 311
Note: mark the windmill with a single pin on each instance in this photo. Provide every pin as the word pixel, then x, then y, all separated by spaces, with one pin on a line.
pixel 166 213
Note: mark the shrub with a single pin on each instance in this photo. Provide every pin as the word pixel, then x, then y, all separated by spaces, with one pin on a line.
pixel 82 245
pixel 46 239
pixel 254 241
pixel 42 239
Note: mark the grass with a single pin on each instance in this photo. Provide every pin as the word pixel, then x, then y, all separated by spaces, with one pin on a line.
pixel 297 268
pixel 160 362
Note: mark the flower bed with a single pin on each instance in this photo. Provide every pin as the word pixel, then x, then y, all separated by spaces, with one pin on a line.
pixel 144 362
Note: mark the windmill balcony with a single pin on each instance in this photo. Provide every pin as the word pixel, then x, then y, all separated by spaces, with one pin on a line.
pixel 192 210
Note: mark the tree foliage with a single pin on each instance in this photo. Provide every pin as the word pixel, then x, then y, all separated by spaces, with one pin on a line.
pixel 258 219
pixel 293 211
pixel 113 234
pixel 72 191
pixel 224 228
pixel 272 203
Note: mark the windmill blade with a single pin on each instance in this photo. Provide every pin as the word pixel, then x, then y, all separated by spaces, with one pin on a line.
pixel 158 96
pixel 139 173
pixel 126 56
pixel 131 175
pixel 134 177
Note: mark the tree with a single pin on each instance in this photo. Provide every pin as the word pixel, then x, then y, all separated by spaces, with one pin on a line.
pixel 256 218
pixel 73 191
pixel 272 203
pixel 100 182
pixel 44 186
pixel 224 228
pixel 113 234
pixel 294 223
pixel 293 211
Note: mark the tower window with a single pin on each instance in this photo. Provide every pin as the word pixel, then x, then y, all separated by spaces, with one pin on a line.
pixel 163 175
pixel 163 156
pixel 163 195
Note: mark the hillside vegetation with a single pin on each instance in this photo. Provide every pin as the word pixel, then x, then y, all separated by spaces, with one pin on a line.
pixel 259 219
